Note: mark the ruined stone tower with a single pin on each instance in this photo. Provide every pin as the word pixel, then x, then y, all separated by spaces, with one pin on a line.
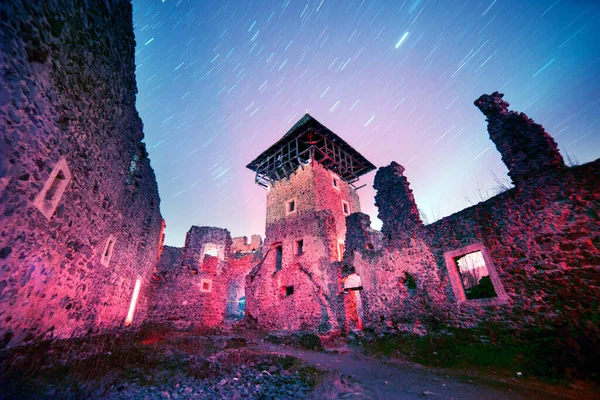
pixel 310 176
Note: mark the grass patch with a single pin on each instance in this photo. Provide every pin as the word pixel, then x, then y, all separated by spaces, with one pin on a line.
pixel 551 355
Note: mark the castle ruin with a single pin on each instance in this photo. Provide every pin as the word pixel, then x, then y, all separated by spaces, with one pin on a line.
pixel 81 232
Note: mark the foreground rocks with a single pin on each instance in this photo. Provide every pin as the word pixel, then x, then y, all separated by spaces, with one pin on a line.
pixel 251 365
pixel 175 366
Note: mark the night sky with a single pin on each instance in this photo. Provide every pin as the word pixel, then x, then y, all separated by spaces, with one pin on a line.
pixel 220 81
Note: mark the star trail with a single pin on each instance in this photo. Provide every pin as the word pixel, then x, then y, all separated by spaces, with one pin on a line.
pixel 220 81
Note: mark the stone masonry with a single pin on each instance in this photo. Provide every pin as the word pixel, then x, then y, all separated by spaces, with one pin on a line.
pixel 298 291
pixel 79 207
pixel 537 247
pixel 539 240
pixel 526 148
pixel 81 232
pixel 202 285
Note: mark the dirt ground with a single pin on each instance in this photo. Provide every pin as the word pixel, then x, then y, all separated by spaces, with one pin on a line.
pixel 247 365
pixel 395 379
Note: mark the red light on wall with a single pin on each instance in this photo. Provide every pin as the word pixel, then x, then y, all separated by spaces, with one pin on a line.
pixel 134 299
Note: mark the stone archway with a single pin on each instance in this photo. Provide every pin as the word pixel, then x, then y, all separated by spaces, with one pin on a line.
pixel 353 302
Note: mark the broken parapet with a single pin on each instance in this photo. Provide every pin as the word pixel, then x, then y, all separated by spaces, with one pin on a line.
pixel 240 244
pixel 396 203
pixel 202 241
pixel 526 148
pixel 359 235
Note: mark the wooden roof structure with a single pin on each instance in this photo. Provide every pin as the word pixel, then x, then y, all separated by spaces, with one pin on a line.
pixel 309 140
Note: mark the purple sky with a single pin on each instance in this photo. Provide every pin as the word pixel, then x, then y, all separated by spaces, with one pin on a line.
pixel 220 81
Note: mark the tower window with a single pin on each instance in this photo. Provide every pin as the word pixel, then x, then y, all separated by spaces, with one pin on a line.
pixel 278 258
pixel 335 182
pixel 289 290
pixel 299 247
pixel 48 198
pixel 206 285
pixel 345 207
pixel 290 206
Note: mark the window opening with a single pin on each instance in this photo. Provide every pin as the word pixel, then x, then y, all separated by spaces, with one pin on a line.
pixel 289 290
pixel 475 277
pixel 108 250
pixel 134 299
pixel 278 257
pixel 213 250
pixel 56 184
pixel 345 207
pixel 206 285
pixel 290 206
pixel 48 198
pixel 299 247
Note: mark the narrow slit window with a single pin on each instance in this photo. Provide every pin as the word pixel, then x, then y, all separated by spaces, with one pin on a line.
pixel 134 300
pixel 341 249
pixel 345 207
pixel 108 250
pixel 48 198
pixel 299 247
pixel 278 258
pixel 335 183
pixel 56 184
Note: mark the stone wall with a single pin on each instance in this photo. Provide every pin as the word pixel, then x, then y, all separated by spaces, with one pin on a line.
pixel 201 285
pixel 79 205
pixel 543 239
pixel 526 148
pixel 539 241
pixel 241 245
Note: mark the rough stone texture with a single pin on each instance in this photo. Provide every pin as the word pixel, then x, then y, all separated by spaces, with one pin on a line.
pixel 540 242
pixel 180 298
pixel 526 148
pixel 360 235
pixel 80 220
pixel 319 221
pixel 241 245
pixel 543 239
pixel 396 203
pixel 401 288
pixel 67 91
pixel 543 243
